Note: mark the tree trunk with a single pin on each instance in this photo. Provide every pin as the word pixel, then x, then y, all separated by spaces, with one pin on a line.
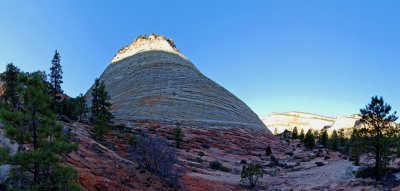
pixel 377 165
pixel 36 169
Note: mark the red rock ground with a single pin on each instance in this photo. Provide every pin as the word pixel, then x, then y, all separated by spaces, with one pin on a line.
pixel 103 165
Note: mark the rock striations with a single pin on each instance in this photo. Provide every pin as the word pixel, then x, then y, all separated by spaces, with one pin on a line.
pixel 289 120
pixel 150 80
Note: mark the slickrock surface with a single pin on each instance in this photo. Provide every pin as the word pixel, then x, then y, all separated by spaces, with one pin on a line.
pixel 151 80
pixel 297 168
pixel 301 120
pixel 104 164
pixel 102 168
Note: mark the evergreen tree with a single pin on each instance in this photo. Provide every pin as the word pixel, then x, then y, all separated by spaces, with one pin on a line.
pixel 356 146
pixel 301 136
pixel 295 133
pixel 324 138
pixel 101 108
pixel 178 135
pixel 33 126
pixel 334 141
pixel 268 151
pixel 81 107
pixel 56 76
pixel 286 135
pixel 342 138
pixel 380 132
pixel 95 109
pixel 309 139
pixel 101 101
pixel 10 78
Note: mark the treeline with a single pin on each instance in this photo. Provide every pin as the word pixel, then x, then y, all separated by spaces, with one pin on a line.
pixel 29 108
pixel 319 138
pixel 377 139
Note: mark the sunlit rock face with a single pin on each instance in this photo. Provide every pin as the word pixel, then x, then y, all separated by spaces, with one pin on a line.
pixel 301 120
pixel 151 80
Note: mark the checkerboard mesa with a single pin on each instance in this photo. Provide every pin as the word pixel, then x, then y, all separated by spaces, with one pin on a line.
pixel 151 80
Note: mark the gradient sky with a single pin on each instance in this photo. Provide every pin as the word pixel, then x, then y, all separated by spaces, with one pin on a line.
pixel 324 57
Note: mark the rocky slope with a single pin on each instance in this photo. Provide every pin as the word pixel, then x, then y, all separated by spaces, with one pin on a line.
pixel 289 120
pixel 151 80
pixel 1 88
pixel 104 165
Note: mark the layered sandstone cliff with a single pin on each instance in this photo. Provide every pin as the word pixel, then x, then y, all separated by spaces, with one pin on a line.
pixel 151 80
pixel 301 120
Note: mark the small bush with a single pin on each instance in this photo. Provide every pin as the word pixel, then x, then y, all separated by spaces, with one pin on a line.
pixel 216 165
pixel 3 154
pixel 268 151
pixel 250 174
pixel 205 146
pixel 133 140
pixel 289 153
pixel 274 161
pixel 199 158
pixel 366 172
pixel 119 127
pixel 158 156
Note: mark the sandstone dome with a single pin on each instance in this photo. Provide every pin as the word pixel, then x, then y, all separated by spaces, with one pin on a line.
pixel 151 80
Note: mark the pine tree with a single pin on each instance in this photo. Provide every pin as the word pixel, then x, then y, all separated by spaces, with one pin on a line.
pixel 342 138
pixel 287 135
pixel 95 109
pixel 33 126
pixel 101 108
pixel 101 101
pixel 268 151
pixel 324 138
pixel 356 146
pixel 380 132
pixel 301 136
pixel 178 135
pixel 309 139
pixel 295 134
pixel 56 76
pixel 334 141
pixel 81 107
pixel 10 78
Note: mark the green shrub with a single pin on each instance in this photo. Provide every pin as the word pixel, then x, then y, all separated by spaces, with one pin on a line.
pixel 216 165
pixel 250 174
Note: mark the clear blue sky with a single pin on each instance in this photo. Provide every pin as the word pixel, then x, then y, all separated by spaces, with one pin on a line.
pixel 326 57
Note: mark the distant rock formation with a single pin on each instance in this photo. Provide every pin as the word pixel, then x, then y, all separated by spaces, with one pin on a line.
pixel 151 80
pixel 301 120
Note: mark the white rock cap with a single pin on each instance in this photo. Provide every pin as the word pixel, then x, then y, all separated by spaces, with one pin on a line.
pixel 144 43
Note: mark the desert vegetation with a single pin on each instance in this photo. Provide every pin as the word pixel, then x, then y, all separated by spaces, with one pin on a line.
pixel 29 110
pixel 375 141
